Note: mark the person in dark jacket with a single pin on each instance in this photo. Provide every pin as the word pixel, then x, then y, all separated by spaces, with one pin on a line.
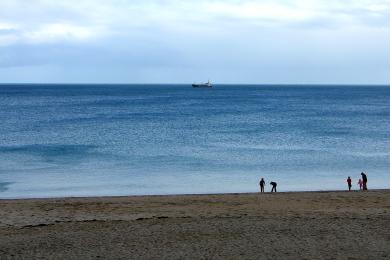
pixel 364 178
pixel 262 184
pixel 274 184
pixel 349 181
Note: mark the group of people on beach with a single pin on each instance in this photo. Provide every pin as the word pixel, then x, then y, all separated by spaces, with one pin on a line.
pixel 361 182
pixel 262 184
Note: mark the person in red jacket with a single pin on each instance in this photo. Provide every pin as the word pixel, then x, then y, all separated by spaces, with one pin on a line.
pixel 349 181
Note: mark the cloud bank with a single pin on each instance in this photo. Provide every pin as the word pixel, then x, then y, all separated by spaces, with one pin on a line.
pixel 171 41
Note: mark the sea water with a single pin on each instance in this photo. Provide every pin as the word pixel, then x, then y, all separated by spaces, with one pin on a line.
pixel 93 140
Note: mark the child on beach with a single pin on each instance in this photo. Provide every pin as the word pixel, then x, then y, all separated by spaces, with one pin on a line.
pixel 360 183
pixel 349 181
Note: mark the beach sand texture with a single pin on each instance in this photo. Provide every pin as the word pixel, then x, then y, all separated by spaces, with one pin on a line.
pixel 302 225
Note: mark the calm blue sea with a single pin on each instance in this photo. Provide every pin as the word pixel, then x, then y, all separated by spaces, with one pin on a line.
pixel 86 140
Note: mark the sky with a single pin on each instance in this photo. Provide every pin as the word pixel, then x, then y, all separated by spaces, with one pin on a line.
pixel 172 41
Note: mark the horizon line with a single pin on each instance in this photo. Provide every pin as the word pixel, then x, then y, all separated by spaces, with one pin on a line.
pixel 221 84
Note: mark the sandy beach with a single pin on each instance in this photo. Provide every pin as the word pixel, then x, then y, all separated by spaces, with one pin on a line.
pixel 304 225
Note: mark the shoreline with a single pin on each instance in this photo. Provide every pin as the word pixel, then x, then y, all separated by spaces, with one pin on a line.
pixel 187 194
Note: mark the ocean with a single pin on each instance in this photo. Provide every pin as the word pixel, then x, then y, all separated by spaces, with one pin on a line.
pixel 96 140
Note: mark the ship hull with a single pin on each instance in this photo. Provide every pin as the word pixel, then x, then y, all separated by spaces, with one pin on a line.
pixel 201 86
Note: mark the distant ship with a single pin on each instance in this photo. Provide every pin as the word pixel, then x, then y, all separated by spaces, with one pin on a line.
pixel 203 85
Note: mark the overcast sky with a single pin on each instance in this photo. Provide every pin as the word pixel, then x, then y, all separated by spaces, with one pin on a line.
pixel 172 41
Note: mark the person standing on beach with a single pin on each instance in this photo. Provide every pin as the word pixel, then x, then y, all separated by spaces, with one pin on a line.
pixel 273 186
pixel 262 184
pixel 360 183
pixel 349 181
pixel 364 177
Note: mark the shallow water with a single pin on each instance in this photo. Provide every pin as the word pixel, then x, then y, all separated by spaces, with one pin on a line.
pixel 86 140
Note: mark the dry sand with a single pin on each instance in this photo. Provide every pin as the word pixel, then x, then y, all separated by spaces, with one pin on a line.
pixel 306 225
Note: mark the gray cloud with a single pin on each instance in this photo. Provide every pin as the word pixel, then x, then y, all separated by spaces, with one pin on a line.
pixel 175 41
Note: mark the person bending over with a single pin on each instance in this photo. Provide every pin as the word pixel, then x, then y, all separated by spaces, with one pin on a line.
pixel 274 184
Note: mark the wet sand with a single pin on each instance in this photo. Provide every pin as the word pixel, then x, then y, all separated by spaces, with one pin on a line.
pixel 301 225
